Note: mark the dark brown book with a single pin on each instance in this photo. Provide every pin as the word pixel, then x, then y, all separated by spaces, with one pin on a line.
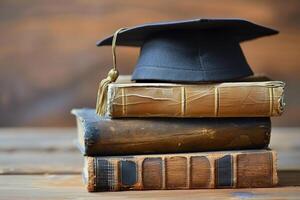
pixel 228 169
pixel 103 136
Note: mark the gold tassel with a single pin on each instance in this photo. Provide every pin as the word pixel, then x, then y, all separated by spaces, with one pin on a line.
pixel 102 91
pixel 111 77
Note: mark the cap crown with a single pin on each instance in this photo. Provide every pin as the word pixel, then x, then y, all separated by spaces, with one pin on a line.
pixel 191 57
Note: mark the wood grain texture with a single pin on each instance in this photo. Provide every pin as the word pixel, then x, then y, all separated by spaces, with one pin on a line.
pixel 57 185
pixel 236 99
pixel 37 139
pixel 51 187
pixel 41 162
pixel 39 151
pixel 51 156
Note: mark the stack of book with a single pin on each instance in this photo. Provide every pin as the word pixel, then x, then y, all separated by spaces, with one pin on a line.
pixel 192 115
pixel 146 152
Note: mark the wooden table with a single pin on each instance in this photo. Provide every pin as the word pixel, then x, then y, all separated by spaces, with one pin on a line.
pixel 45 164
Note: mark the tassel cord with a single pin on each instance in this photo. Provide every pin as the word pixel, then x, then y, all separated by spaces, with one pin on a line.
pixel 112 76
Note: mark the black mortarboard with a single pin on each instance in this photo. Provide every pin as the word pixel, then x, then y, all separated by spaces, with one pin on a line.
pixel 200 50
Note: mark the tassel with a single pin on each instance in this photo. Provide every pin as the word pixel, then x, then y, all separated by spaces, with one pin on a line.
pixel 102 91
pixel 111 77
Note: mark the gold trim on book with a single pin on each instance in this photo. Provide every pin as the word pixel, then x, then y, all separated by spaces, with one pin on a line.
pixel 217 101
pixel 271 100
pixel 123 101
pixel 183 101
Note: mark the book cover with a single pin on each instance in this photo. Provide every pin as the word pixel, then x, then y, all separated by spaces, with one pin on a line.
pixel 228 169
pixel 103 136
pixel 247 98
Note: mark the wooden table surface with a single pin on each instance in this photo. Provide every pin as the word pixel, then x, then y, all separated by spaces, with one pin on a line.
pixel 43 163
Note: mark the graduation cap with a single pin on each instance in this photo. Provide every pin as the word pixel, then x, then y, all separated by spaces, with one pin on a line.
pixel 199 50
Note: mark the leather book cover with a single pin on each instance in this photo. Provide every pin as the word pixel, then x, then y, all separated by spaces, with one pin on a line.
pixel 228 169
pixel 249 97
pixel 104 136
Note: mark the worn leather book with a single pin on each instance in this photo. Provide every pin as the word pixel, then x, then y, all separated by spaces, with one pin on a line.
pixel 247 98
pixel 228 169
pixel 103 136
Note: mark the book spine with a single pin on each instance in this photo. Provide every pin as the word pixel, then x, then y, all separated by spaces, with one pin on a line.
pixel 207 100
pixel 182 171
pixel 140 136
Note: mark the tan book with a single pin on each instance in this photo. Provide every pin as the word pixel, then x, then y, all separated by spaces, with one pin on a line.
pixel 250 97
pixel 227 169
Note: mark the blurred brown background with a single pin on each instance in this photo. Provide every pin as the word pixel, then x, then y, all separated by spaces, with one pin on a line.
pixel 49 63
